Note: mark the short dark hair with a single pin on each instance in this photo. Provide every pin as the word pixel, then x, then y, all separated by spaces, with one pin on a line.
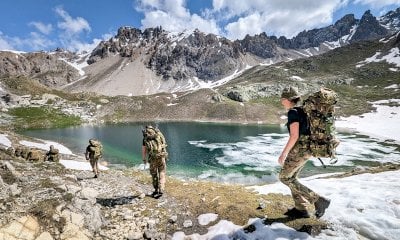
pixel 295 100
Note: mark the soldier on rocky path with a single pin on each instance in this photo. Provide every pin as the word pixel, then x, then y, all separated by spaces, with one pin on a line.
pixel 52 155
pixel 94 151
pixel 154 151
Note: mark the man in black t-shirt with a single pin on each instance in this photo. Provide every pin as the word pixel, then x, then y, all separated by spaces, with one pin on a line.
pixel 295 155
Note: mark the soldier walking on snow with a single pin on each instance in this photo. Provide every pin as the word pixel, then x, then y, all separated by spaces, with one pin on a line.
pixel 295 155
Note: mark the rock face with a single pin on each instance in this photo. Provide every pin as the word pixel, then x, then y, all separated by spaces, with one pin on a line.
pixel 369 29
pixel 260 45
pixel 391 20
pixel 315 37
pixel 154 60
pixel 193 54
pixel 49 69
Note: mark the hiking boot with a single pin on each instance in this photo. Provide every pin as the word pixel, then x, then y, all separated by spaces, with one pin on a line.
pixel 155 193
pixel 159 195
pixel 320 206
pixel 95 176
pixel 296 213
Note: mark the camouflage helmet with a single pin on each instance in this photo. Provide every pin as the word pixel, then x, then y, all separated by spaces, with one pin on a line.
pixel 290 93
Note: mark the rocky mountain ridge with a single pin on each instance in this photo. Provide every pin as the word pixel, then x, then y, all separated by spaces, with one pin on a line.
pixel 360 78
pixel 136 62
pixel 51 69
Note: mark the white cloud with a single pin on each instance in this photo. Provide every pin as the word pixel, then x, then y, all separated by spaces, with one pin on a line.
pixel 275 17
pixel 42 27
pixel 83 46
pixel 4 43
pixel 72 28
pixel 70 25
pixel 237 18
pixel 239 29
pixel 174 16
pixel 38 42
pixel 35 41
pixel 377 4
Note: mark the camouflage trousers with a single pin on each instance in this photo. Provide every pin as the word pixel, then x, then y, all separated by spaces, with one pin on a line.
pixel 294 163
pixel 53 158
pixel 94 162
pixel 158 172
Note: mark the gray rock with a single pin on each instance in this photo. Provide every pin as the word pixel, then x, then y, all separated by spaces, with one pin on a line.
pixel 173 219
pixel 46 68
pixel 14 189
pixel 187 223
pixel 134 235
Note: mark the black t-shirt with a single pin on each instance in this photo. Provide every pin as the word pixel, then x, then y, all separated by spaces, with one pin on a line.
pixel 298 115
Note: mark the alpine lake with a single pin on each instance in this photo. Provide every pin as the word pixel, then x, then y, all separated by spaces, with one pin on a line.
pixel 232 153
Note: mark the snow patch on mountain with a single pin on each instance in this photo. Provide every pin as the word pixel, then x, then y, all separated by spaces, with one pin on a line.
pixel 392 57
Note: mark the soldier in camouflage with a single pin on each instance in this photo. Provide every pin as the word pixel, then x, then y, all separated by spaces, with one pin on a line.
pixel 53 154
pixel 154 152
pixel 94 151
pixel 295 155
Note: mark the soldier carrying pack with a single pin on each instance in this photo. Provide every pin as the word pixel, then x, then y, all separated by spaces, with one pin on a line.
pixel 94 151
pixel 154 142
pixel 154 149
pixel 319 108
pixel 95 148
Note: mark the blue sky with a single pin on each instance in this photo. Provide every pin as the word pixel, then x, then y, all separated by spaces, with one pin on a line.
pixel 76 25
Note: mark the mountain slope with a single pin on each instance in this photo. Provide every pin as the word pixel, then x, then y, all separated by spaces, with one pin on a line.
pixel 136 62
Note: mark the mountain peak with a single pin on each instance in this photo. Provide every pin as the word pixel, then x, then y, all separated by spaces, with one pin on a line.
pixel 369 28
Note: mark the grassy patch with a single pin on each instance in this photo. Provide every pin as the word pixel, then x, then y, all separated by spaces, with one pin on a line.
pixel 270 101
pixel 231 202
pixel 44 117
pixel 23 85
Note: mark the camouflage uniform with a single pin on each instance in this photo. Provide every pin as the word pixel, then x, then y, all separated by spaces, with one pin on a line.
pixel 53 154
pixel 298 155
pixel 154 147
pixel 158 172
pixel 35 155
pixel 294 163
pixel 94 152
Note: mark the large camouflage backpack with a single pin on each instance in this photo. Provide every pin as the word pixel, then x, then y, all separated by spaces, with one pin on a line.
pixel 319 108
pixel 155 142
pixel 95 148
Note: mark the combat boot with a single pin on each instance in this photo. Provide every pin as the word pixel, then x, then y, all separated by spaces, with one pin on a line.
pixel 155 193
pixel 320 206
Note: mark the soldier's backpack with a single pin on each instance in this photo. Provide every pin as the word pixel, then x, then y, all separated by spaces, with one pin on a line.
pixel 95 148
pixel 319 108
pixel 155 142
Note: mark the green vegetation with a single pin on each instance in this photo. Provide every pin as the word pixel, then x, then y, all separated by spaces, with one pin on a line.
pixel 44 117
pixel 231 202
pixel 338 69
pixel 22 86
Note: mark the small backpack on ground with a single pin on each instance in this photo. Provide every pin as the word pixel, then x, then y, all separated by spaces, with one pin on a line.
pixel 319 108
pixel 155 142
pixel 95 148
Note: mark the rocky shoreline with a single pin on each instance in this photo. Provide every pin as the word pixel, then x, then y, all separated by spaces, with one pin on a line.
pixel 45 200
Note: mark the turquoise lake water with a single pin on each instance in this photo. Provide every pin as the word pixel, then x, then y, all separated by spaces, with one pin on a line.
pixel 234 153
